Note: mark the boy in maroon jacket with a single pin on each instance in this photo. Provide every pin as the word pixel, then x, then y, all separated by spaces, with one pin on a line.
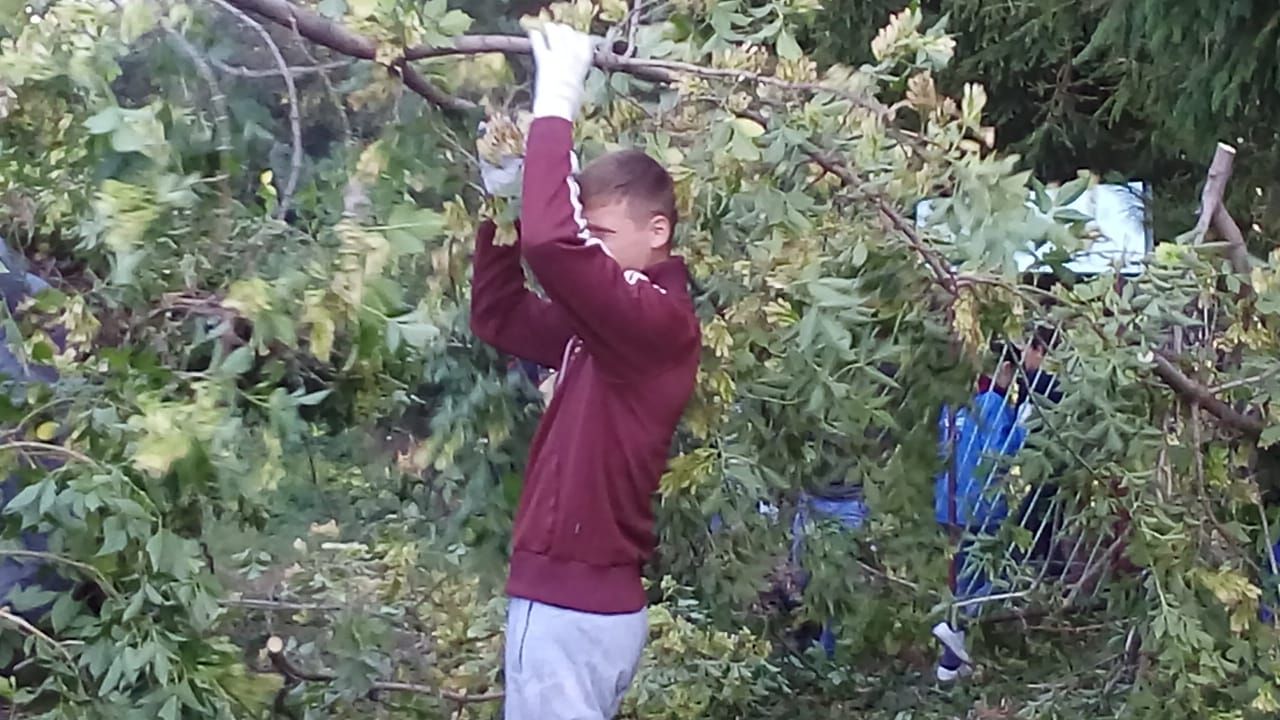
pixel 618 326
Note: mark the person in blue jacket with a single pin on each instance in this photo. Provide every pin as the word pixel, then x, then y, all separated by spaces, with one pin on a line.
pixel 969 499
pixel 16 574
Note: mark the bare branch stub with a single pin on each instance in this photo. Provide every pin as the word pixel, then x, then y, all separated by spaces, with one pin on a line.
pixel 1215 186
pixel 1213 212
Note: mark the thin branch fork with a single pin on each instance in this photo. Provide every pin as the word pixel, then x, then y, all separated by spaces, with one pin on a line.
pixel 283 665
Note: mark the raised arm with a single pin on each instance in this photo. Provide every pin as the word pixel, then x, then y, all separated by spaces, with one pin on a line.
pixel 627 319
pixel 505 313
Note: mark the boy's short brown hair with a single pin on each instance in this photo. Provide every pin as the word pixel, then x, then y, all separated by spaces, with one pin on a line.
pixel 633 176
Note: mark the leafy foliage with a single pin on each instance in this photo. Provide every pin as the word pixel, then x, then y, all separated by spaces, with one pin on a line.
pixel 1133 90
pixel 272 419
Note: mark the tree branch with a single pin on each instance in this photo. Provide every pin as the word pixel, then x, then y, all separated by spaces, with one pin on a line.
pixel 47 448
pixel 656 70
pixel 295 121
pixel 282 664
pixel 1237 251
pixel 294 70
pixel 92 571
pixel 944 275
pixel 336 36
pixel 267 605
pixel 27 628
pixel 1199 395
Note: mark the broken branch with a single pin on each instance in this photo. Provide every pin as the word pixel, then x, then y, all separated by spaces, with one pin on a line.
pixel 284 666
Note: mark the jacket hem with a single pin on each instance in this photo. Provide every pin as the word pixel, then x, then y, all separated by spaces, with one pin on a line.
pixel 576 585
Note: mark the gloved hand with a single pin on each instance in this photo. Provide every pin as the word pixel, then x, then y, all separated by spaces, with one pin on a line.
pixel 503 178
pixel 562 56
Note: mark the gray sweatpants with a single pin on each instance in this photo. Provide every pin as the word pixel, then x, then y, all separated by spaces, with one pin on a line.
pixel 569 665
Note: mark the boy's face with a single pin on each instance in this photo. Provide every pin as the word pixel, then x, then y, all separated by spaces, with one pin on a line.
pixel 1033 357
pixel 634 240
pixel 1004 375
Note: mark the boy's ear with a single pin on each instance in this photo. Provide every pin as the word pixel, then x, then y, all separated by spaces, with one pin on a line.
pixel 660 229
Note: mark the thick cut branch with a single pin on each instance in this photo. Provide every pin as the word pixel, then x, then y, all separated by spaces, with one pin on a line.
pixel 1215 186
pixel 1213 213
pixel 1237 251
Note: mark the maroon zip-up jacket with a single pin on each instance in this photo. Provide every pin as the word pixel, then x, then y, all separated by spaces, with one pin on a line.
pixel 626 345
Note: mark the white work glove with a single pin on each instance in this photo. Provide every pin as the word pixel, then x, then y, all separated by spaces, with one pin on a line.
pixel 562 56
pixel 503 179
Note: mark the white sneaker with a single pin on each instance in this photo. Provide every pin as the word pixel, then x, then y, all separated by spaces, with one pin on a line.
pixel 953 640
pixel 947 675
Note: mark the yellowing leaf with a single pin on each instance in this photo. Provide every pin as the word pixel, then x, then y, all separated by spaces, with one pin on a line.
pixel 748 127
pixel 47 431
pixel 323 330
pixel 249 297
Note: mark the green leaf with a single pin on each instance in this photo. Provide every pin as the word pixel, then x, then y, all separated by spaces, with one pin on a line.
pixel 104 121
pixel 1269 437
pixel 136 19
pixel 170 709
pixel 314 398
pixel 238 362
pixel 859 256
pixel 748 127
pixel 1070 215
pixel 169 554
pixel 115 538
pixel 455 22
pixel 410 227
pixel 787 47
pixel 808 328
pixel 28 495
pixel 1073 190
pixel 332 9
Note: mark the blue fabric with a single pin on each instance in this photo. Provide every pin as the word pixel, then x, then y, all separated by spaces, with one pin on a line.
pixel 950 660
pixel 1266 611
pixel 971 578
pixel 981 434
pixel 16 574
pixel 851 513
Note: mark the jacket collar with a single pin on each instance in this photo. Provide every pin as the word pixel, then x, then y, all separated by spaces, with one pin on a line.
pixel 670 274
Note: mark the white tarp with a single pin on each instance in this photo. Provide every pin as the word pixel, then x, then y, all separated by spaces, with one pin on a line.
pixel 1117 212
